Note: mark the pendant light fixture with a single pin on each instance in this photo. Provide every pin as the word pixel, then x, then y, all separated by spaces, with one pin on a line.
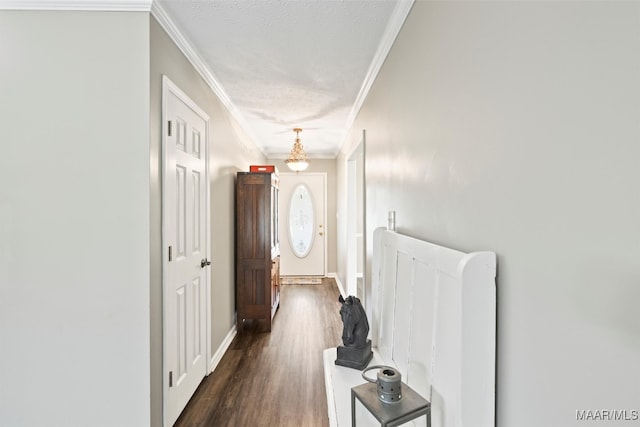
pixel 297 160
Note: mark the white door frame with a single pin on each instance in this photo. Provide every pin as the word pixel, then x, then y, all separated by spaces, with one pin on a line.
pixel 169 87
pixel 324 213
pixel 356 203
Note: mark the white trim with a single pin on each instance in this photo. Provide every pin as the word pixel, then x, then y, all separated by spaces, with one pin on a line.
pixel 392 30
pixel 311 157
pixel 93 5
pixel 224 346
pixel 190 52
pixel 396 21
pixel 327 361
pixel 358 150
pixel 173 88
pixel 208 230
pixel 196 60
pixel 339 283
pixel 326 226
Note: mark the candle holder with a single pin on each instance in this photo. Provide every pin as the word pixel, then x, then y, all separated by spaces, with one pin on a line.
pixel 390 413
pixel 388 381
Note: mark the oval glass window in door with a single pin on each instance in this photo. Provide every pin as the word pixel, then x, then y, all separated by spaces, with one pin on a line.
pixel 301 221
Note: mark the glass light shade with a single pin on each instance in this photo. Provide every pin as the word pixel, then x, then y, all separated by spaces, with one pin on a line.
pixel 297 160
pixel 297 165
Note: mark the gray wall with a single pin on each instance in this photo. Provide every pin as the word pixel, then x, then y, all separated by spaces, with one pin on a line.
pixel 230 150
pixel 74 219
pixel 80 230
pixel 513 127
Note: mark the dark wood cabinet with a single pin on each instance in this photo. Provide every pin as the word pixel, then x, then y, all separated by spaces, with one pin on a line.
pixel 257 247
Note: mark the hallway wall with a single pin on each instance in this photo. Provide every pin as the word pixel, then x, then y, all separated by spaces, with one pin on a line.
pixel 230 151
pixel 74 219
pixel 513 127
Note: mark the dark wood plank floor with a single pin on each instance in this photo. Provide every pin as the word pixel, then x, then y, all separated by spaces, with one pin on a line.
pixel 274 379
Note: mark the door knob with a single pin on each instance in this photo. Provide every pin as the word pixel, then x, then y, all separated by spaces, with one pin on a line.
pixel 321 233
pixel 204 263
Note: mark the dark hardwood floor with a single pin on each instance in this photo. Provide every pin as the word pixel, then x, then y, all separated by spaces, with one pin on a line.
pixel 274 379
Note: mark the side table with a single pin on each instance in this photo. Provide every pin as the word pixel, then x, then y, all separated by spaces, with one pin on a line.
pixel 411 406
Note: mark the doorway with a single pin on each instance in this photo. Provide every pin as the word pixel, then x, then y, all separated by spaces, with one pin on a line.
pixel 302 224
pixel 356 240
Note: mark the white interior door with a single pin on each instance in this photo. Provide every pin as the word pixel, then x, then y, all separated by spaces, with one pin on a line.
pixel 302 224
pixel 185 231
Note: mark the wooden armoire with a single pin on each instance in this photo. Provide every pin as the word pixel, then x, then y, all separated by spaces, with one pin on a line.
pixel 257 247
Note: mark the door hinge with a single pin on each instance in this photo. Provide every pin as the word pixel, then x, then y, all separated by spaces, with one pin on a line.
pixel 169 127
pixel 170 378
pixel 170 254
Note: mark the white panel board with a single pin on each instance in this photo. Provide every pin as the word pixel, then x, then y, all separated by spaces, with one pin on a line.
pixel 423 312
pixel 402 311
pixel 434 320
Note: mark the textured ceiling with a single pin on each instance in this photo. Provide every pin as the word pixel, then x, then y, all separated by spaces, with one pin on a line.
pixel 286 64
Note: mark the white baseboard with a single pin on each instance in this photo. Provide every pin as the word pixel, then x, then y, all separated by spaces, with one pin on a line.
pixel 224 346
pixel 339 283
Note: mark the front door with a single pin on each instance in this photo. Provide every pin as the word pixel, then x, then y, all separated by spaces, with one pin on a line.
pixel 302 224
pixel 185 244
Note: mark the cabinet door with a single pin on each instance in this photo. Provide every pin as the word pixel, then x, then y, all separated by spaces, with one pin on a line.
pixel 275 283
pixel 275 232
pixel 253 255
pixel 258 264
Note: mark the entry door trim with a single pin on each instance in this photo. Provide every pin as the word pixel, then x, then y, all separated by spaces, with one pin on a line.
pixel 169 87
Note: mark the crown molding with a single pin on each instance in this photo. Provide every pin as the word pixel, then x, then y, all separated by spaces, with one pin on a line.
pixel 400 13
pixel 396 21
pixel 186 47
pixel 318 156
pixel 192 55
pixel 158 12
pixel 81 5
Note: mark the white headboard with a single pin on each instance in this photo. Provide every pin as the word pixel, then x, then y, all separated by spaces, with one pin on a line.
pixel 434 317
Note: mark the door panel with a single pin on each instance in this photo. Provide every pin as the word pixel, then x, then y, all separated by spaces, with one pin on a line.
pixel 302 261
pixel 185 239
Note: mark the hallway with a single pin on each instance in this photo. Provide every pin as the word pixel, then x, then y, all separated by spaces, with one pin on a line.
pixel 277 378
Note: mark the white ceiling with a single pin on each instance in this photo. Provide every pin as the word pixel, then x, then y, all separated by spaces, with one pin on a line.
pixel 283 64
